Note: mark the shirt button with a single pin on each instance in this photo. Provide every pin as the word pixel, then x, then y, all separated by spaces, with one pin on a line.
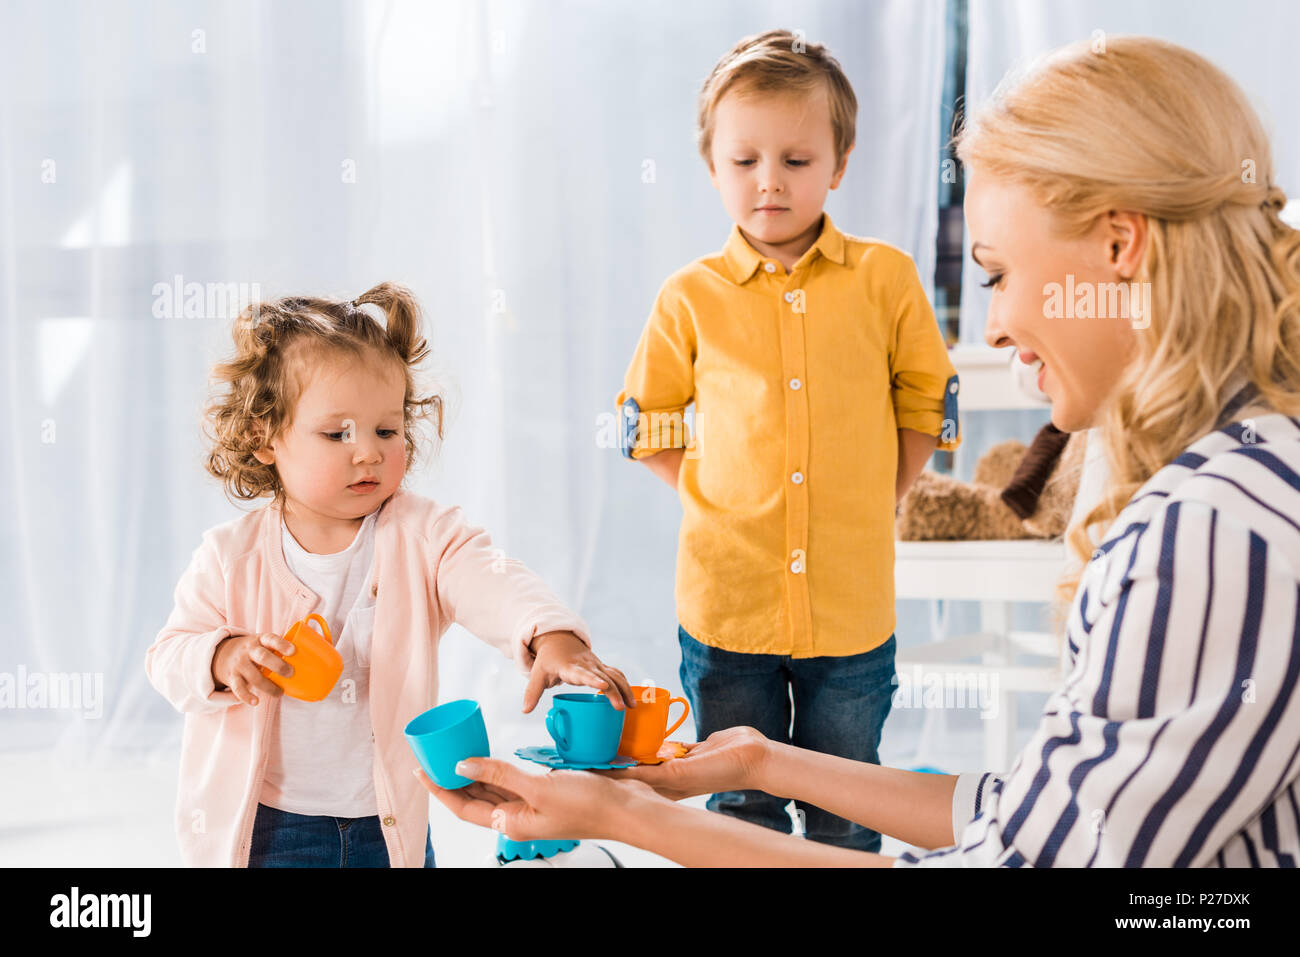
pixel 795 383
pixel 789 297
pixel 389 820
pixel 797 478
pixel 770 267
pixel 796 566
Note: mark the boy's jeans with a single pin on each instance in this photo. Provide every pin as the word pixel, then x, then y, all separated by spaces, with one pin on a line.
pixel 285 839
pixel 840 705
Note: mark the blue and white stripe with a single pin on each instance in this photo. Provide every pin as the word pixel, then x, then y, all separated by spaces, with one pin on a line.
pixel 1175 741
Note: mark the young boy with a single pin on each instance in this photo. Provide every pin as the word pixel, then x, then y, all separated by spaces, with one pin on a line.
pixel 821 387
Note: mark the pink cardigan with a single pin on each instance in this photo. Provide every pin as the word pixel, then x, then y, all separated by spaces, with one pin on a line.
pixel 431 569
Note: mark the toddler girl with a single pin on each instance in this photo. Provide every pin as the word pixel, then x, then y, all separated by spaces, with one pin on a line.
pixel 321 416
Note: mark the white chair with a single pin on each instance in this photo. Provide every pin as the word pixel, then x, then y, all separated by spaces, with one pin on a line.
pixel 994 573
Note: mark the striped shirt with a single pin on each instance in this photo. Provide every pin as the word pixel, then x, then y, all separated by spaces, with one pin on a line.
pixel 1174 740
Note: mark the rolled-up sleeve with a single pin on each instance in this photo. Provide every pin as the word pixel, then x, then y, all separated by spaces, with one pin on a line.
pixel 1177 722
pixel 660 381
pixel 969 797
pixel 496 598
pixel 923 381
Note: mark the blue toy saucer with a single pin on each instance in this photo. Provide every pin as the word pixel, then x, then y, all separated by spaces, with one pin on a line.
pixel 551 758
pixel 508 850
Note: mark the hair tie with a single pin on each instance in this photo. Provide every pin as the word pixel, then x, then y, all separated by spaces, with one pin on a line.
pixel 1274 198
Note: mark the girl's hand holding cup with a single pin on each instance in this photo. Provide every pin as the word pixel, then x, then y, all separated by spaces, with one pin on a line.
pixel 239 661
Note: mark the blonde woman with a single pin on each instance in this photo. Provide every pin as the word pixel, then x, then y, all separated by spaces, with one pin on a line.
pixel 1174 738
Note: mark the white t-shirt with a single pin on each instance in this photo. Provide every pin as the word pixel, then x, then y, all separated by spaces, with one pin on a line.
pixel 322 752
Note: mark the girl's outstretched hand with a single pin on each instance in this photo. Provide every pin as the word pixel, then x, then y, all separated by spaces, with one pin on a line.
pixel 561 656
pixel 558 805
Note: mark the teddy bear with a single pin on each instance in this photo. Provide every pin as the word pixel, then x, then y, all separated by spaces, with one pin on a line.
pixel 1017 492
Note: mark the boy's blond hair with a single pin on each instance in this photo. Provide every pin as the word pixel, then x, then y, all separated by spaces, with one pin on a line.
pixel 779 61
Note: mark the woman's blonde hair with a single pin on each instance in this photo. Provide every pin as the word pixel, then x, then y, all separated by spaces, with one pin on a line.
pixel 278 345
pixel 779 62
pixel 1148 126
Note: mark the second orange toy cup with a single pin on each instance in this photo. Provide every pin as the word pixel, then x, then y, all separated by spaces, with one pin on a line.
pixel 317 664
pixel 646 726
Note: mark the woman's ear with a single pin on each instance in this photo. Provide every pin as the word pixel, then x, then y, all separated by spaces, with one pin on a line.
pixel 1126 238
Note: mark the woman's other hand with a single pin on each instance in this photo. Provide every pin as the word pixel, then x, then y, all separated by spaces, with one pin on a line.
pixel 559 805
pixel 730 760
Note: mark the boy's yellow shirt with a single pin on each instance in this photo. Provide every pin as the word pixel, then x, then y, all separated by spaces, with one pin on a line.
pixel 800 382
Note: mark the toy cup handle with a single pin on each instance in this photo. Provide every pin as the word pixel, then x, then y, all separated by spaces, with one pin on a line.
pixel 553 722
pixel 686 710
pixel 325 628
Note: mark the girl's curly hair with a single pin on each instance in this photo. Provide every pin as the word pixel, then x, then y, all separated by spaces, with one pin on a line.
pixel 276 345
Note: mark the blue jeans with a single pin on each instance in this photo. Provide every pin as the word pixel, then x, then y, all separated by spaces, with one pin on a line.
pixel 285 839
pixel 840 706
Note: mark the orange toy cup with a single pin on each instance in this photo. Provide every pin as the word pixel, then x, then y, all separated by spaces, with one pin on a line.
pixel 317 664
pixel 646 726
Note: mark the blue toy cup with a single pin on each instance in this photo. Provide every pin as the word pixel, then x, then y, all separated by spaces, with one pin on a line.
pixel 586 728
pixel 443 736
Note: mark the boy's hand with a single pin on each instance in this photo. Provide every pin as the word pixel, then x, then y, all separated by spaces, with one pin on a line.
pixel 238 662
pixel 914 450
pixel 561 656
pixel 667 464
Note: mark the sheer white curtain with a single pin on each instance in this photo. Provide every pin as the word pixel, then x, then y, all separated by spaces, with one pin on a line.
pixel 527 168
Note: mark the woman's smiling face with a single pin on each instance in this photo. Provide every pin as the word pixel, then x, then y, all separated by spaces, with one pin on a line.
pixel 1014 241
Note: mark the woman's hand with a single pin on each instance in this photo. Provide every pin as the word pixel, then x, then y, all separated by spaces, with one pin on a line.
pixel 559 805
pixel 730 760
pixel 561 656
